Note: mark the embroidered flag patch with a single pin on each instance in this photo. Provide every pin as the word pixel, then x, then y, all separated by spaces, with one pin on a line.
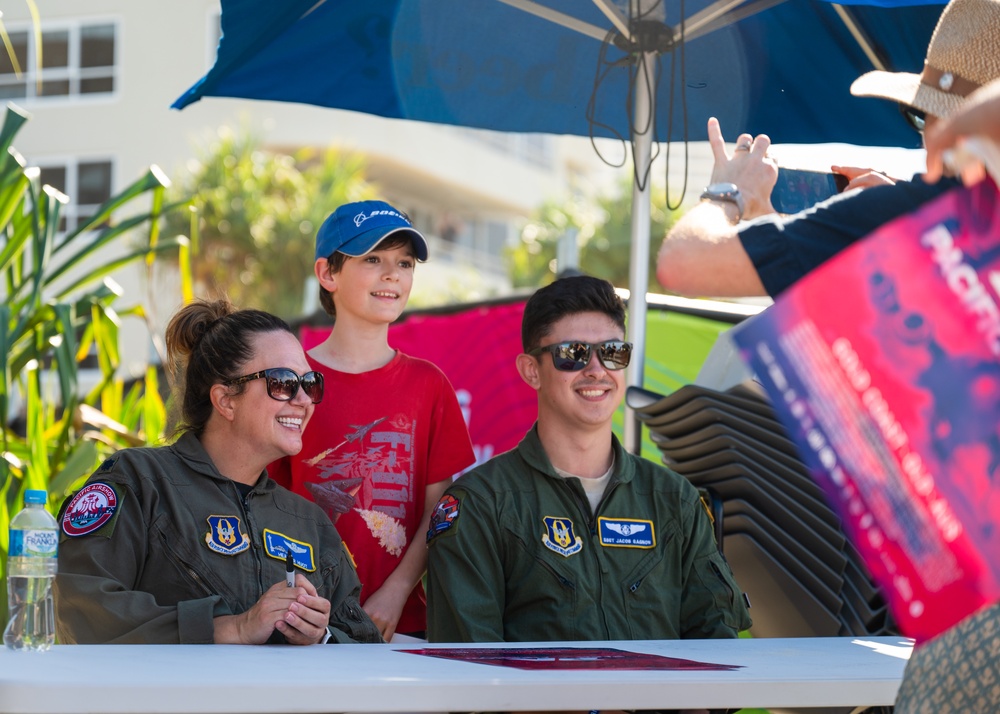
pixel 92 507
pixel 278 545
pixel 559 536
pixel 224 535
pixel 444 516
pixel 626 533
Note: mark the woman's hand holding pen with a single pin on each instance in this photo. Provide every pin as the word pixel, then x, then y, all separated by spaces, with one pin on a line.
pixel 299 613
pixel 305 620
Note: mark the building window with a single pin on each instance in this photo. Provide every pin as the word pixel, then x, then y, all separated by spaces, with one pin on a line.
pixel 88 184
pixel 75 61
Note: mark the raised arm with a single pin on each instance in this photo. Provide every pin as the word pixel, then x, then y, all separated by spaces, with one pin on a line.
pixel 702 254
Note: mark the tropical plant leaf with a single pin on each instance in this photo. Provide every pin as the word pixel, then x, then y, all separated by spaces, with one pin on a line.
pixel 152 179
pixel 108 267
pixel 13 119
pixel 80 463
pixel 65 353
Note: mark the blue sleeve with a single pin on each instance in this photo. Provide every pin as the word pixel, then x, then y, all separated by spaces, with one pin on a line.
pixel 784 248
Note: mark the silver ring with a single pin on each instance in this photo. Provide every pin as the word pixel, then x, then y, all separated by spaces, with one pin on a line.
pixel 743 147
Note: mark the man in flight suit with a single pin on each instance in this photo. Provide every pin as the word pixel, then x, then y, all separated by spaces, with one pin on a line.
pixel 568 536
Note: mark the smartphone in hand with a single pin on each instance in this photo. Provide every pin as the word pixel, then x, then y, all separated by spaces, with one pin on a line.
pixel 797 190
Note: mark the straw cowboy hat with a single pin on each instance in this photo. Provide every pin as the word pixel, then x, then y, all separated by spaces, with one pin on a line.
pixel 964 54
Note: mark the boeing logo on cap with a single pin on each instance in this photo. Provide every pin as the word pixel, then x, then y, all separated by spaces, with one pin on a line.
pixel 361 217
pixel 355 229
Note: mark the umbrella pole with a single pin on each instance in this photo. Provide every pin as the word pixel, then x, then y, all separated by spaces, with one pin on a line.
pixel 643 120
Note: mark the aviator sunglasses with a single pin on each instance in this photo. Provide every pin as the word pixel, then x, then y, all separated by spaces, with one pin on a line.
pixel 914 117
pixel 574 356
pixel 283 384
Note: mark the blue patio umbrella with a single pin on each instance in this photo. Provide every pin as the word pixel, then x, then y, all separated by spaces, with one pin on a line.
pixel 644 71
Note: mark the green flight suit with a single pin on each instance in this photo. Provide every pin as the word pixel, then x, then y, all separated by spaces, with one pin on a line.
pixel 158 543
pixel 516 555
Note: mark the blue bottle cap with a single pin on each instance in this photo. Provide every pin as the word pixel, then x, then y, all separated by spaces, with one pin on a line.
pixel 35 496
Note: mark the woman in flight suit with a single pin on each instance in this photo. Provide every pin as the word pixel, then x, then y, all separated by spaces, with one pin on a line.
pixel 189 543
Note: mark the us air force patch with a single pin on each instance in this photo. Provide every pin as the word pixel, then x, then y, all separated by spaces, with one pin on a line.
pixel 626 533
pixel 278 545
pixel 444 516
pixel 92 507
pixel 224 535
pixel 559 536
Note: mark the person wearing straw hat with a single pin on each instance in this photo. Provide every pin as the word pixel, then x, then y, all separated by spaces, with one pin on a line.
pixel 734 243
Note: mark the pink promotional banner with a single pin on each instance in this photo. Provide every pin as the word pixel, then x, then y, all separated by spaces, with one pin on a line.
pixel 476 349
pixel 884 366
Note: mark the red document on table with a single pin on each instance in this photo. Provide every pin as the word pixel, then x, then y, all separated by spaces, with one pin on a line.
pixel 884 366
pixel 566 658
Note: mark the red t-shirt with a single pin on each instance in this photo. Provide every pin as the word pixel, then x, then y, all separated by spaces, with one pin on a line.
pixel 373 445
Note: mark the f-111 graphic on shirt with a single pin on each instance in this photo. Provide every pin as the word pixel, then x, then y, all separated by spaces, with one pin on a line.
pixel 370 471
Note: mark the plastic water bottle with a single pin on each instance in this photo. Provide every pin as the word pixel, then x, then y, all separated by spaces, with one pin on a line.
pixel 31 568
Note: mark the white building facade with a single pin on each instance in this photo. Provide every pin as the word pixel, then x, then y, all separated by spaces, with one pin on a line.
pixel 101 116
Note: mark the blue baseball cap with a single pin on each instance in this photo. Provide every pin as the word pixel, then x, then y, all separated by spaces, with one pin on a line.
pixel 355 229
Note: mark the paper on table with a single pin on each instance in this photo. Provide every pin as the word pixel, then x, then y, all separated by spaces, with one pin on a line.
pixel 567 658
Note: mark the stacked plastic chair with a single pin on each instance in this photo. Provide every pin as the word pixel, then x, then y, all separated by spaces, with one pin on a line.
pixel 784 542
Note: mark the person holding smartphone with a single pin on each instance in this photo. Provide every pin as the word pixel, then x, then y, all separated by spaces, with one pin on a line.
pixel 734 244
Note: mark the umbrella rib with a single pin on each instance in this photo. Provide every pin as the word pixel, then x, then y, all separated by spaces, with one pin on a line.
pixel 705 25
pixel 706 15
pixel 615 15
pixel 567 21
pixel 859 36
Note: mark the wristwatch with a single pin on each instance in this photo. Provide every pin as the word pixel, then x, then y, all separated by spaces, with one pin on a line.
pixel 727 193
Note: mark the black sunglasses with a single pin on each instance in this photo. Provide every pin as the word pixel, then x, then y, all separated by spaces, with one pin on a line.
pixel 283 384
pixel 914 117
pixel 574 356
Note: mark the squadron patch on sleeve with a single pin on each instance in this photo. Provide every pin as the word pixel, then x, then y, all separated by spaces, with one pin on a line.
pixel 93 507
pixel 278 546
pixel 224 535
pixel 444 516
pixel 559 536
pixel 626 532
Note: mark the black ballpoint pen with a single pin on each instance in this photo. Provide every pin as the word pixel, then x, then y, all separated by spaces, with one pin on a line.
pixel 289 570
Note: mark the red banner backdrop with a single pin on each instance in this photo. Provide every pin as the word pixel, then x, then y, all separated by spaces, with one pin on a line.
pixel 476 349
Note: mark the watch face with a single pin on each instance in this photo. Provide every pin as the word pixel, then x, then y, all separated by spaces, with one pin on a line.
pixel 721 189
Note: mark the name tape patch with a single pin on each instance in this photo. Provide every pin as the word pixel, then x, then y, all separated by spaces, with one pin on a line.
pixel 278 545
pixel 626 533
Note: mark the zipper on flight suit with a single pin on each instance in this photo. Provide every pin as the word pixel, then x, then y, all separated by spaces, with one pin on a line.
pixel 192 573
pixel 590 516
pixel 612 485
pixel 591 519
pixel 251 530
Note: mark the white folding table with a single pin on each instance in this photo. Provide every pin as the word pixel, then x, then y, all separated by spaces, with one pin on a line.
pixel 217 679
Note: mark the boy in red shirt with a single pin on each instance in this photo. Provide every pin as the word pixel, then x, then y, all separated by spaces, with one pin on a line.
pixel 382 450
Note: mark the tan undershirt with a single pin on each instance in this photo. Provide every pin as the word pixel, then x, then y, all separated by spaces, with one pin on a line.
pixel 593 487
